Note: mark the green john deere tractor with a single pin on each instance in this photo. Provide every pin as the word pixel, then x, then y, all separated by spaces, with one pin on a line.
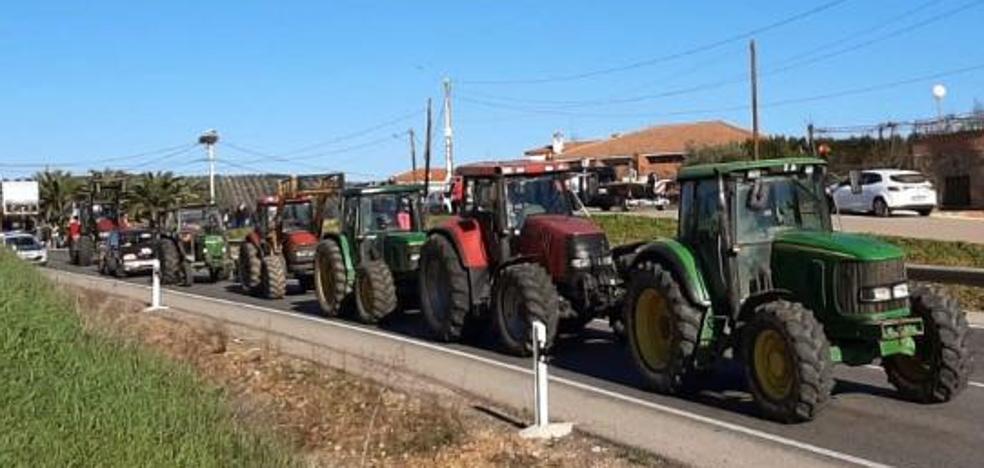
pixel 374 254
pixel 192 240
pixel 757 269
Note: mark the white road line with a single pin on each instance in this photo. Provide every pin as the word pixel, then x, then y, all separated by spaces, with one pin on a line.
pixel 748 431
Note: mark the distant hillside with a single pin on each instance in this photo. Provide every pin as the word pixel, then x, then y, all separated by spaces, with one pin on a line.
pixel 231 190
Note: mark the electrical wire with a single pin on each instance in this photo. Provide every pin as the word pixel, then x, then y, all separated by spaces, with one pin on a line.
pixel 355 134
pixel 94 162
pixel 669 57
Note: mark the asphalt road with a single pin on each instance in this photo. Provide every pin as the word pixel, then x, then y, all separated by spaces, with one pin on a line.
pixel 903 224
pixel 865 419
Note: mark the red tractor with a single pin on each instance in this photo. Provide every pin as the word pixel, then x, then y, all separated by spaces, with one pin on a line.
pixel 516 252
pixel 285 237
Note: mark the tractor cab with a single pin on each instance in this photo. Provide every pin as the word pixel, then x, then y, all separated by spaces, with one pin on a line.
pixel 100 213
pixel 386 223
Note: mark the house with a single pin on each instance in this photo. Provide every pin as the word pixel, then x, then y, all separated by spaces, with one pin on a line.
pixel 437 178
pixel 950 151
pixel 660 149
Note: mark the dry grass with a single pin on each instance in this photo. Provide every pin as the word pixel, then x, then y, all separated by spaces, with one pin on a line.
pixel 337 419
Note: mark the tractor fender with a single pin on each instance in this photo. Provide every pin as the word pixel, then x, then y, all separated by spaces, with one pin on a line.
pixel 681 263
pixel 749 305
pixel 167 237
pixel 346 247
pixel 472 258
pixel 254 238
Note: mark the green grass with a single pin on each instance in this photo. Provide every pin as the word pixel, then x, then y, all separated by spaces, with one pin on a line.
pixel 71 398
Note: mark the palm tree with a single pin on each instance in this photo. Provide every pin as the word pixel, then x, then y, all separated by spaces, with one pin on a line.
pixel 58 189
pixel 154 194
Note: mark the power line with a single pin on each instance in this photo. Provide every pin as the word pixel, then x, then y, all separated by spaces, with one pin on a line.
pixel 665 58
pixel 355 134
pixel 166 157
pixel 93 162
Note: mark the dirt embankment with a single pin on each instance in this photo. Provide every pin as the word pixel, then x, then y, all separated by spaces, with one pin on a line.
pixel 336 419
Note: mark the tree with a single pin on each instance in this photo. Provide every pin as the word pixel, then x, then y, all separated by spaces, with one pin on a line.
pixel 769 148
pixel 154 194
pixel 58 189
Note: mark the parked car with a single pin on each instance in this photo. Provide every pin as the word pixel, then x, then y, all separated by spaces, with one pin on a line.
pixel 27 247
pixel 882 191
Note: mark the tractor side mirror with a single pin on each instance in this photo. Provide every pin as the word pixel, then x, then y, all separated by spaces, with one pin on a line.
pixel 854 177
pixel 758 196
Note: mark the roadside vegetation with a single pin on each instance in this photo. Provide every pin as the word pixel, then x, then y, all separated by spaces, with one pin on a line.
pixel 71 397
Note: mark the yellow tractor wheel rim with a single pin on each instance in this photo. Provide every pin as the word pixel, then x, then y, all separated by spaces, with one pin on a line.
pixel 773 365
pixel 653 331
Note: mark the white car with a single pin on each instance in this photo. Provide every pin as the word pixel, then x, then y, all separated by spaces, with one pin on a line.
pixel 27 247
pixel 886 190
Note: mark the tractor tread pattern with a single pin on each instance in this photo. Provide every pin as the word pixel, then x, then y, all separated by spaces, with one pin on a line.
pixel 274 277
pixel 250 267
pixel 945 324
pixel 459 303
pixel 379 279
pixel 687 319
pixel 540 302
pixel 329 261
pixel 170 262
pixel 87 249
pixel 811 358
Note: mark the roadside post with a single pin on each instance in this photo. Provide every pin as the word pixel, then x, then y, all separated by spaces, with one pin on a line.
pixel 542 427
pixel 156 299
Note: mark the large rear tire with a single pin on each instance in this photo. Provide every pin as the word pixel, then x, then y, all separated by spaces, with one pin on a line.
pixel 87 249
pixel 663 330
pixel 250 267
pixel 940 369
pixel 375 292
pixel 330 278
pixel 444 295
pixel 523 293
pixel 170 258
pixel 787 362
pixel 273 277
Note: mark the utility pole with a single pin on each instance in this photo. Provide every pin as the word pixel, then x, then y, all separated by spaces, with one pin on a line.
pixel 448 133
pixel 427 150
pixel 413 155
pixel 209 139
pixel 810 142
pixel 755 110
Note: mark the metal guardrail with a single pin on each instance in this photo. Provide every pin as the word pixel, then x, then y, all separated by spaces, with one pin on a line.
pixel 945 274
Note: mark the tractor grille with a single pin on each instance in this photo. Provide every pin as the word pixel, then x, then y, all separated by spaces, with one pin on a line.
pixel 853 276
pixel 588 246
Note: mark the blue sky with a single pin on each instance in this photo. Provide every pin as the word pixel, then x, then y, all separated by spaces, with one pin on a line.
pixel 298 86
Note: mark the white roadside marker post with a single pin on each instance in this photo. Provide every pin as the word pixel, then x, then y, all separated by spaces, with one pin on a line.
pixel 156 299
pixel 542 427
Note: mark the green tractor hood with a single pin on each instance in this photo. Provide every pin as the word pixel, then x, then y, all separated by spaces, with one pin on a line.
pixel 402 250
pixel 848 246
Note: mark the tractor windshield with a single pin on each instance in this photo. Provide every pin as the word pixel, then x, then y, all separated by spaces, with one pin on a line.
pixel 297 216
pixel 193 219
pixel 388 212
pixel 771 204
pixel 529 196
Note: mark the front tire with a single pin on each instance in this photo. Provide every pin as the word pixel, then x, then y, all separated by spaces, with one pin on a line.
pixel 169 257
pixel 522 294
pixel 87 249
pixel 273 277
pixel 444 295
pixel 663 330
pixel 375 292
pixel 330 280
pixel 941 367
pixel 787 362
pixel 250 267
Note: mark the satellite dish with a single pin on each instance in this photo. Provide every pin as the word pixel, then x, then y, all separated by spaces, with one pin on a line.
pixel 939 91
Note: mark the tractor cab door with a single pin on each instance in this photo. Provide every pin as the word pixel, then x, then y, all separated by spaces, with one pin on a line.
pixel 701 230
pixel 482 205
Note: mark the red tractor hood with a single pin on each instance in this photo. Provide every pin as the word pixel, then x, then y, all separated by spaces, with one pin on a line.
pixel 300 239
pixel 105 225
pixel 550 237
pixel 558 225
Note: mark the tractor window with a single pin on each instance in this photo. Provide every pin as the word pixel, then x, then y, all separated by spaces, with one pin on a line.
pixel 706 201
pixel 790 202
pixel 537 195
pixel 388 212
pixel 480 195
pixel 686 215
pixel 297 216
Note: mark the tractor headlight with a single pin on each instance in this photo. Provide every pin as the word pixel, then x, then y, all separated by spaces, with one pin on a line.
pixel 878 294
pixel 606 260
pixel 414 257
pixel 103 234
pixel 129 257
pixel 146 251
pixel 900 291
pixel 307 253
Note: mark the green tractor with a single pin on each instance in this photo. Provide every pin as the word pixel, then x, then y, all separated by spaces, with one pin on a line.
pixel 374 254
pixel 193 240
pixel 757 269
